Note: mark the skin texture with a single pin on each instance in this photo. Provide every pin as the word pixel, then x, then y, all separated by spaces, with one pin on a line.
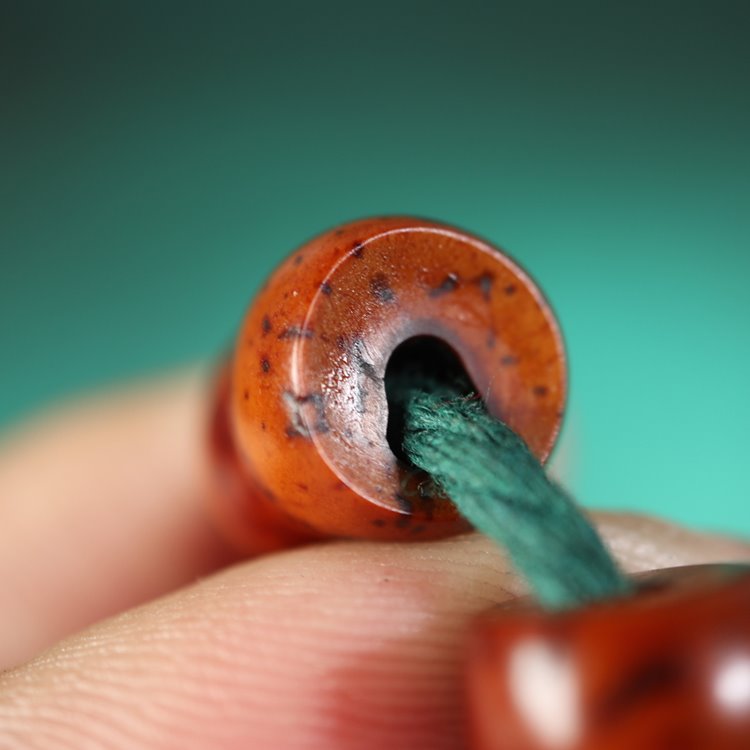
pixel 106 544
pixel 305 412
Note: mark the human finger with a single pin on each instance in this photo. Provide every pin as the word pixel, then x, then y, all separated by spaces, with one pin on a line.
pixel 334 646
pixel 102 507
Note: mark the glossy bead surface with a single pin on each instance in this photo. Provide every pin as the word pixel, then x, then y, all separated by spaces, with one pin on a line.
pixel 305 411
pixel 668 667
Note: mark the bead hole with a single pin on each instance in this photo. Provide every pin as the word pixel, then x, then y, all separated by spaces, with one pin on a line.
pixel 421 362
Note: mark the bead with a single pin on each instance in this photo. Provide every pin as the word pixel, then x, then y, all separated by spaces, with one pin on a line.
pixel 668 667
pixel 300 428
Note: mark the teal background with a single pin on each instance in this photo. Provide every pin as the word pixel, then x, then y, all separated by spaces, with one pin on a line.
pixel 157 160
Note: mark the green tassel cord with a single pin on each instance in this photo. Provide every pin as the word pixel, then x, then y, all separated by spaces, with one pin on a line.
pixel 502 489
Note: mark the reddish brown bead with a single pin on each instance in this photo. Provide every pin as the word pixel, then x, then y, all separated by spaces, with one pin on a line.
pixel 303 418
pixel 665 669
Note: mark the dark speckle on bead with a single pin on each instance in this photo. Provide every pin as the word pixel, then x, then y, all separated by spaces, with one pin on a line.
pixel 490 339
pixel 379 522
pixel 510 289
pixel 484 282
pixel 381 288
pixel 298 259
pixel 448 284
pixel 303 486
pixel 270 495
pixel 404 503
pixel 356 349
pixel 357 249
pixel 265 365
pixel 263 426
pixel 508 360
pixel 428 490
pixel 541 390
pixel 402 522
pixel 361 358
pixel 418 529
pixel 246 394
pixel 644 683
pixel 295 332
pixel 326 288
pixel 298 424
pixel 266 324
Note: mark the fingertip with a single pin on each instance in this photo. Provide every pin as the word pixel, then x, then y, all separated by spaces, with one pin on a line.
pixel 101 507
pixel 335 646
pixel 338 646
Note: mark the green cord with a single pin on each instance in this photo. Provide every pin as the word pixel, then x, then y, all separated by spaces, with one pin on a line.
pixel 502 489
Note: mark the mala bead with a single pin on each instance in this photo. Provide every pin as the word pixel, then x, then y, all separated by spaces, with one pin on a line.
pixel 300 434
pixel 668 667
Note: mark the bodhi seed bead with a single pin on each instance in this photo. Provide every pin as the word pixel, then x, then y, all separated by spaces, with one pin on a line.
pixel 667 667
pixel 301 435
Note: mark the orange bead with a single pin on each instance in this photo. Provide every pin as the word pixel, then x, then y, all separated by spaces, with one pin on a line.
pixel 302 414
pixel 667 668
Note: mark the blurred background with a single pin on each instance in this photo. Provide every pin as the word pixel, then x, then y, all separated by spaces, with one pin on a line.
pixel 158 159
